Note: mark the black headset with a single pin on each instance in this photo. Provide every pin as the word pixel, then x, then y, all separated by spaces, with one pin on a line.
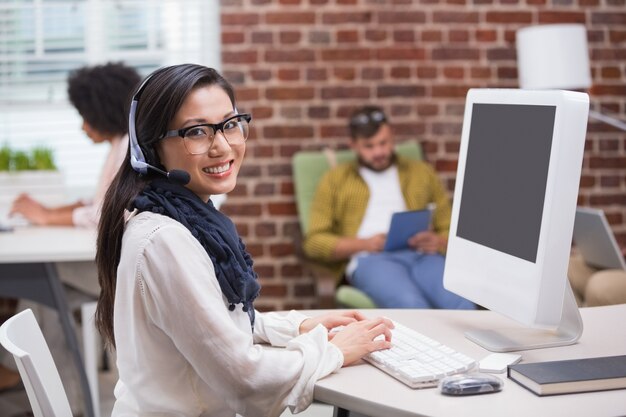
pixel 137 158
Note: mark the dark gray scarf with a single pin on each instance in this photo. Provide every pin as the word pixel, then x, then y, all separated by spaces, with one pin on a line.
pixel 215 232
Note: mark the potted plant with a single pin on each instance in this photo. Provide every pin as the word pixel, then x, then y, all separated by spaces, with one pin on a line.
pixel 33 172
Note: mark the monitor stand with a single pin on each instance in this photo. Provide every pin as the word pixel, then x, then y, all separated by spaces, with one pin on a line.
pixel 507 340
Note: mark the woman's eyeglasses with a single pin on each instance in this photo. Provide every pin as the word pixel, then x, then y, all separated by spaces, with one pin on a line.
pixel 198 139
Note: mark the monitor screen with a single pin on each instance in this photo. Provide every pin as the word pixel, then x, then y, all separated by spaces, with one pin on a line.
pixel 505 177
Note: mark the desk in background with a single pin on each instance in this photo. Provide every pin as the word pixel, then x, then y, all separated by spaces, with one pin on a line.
pixel 27 270
pixel 367 390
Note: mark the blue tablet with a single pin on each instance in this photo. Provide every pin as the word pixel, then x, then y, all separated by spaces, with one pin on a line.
pixel 404 225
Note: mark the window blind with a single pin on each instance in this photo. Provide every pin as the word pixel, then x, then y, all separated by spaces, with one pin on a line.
pixel 41 41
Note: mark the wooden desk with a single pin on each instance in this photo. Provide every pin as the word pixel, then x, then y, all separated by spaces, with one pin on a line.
pixel 367 390
pixel 27 270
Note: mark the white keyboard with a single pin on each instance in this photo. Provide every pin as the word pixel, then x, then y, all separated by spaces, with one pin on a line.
pixel 417 360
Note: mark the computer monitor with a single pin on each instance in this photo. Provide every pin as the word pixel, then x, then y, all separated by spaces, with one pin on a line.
pixel 513 213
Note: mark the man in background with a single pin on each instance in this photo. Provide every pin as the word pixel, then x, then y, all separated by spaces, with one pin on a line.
pixel 351 214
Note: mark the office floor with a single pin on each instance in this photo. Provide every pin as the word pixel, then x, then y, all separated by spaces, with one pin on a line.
pixel 15 403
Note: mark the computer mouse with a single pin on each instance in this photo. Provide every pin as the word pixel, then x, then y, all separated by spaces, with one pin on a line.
pixel 470 384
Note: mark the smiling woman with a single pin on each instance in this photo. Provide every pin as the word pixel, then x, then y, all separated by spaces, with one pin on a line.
pixel 177 283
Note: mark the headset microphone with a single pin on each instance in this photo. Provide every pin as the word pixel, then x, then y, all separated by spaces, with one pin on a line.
pixel 137 158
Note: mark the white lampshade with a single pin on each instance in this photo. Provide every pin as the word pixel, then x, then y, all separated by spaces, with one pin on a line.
pixel 553 57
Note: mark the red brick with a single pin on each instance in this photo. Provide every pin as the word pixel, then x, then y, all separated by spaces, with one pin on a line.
pixel 609 90
pixel 347 36
pixel 239 57
pixel 288 74
pixel 384 91
pixel 265 229
pixel 372 73
pixel 611 72
pixel 304 290
pixel 290 56
pixel 261 75
pixel 446 165
pixel 449 90
pixel 426 72
pixel 451 53
pixel 400 110
pixel 261 151
pixel 319 112
pixel 244 210
pixel 507 72
pixel 289 37
pixel 401 17
pixel 486 35
pixel 587 181
pixel 427 109
pixel 351 54
pixel 277 170
pixel 501 54
pixel 289 2
pixel 509 17
pixel 287 188
pixel 455 17
pixel 239 19
pixel 400 54
pixel 610 181
pixel 608 18
pixel 617 36
pixel 276 209
pixel 291 112
pixel 247 94
pixel 404 36
pixel 340 92
pixel 480 72
pixel 230 38
pixel 454 72
pixel 274 290
pixel 287 132
pixel 561 17
pixel 446 128
pixel 333 131
pixel 264 270
pixel 290 18
pixel 262 112
pixel 262 37
pixel 617 162
pixel 333 18
pixel 291 271
pixel 344 73
pixel 432 36
pixel 400 72
pixel 375 35
pixel 458 36
pixel 319 37
pixel 316 74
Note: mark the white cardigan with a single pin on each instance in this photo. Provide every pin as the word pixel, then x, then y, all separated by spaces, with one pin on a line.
pixel 181 352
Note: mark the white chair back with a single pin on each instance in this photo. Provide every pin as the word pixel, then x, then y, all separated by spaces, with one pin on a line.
pixel 22 337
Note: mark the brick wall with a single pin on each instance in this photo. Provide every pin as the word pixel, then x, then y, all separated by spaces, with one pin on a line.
pixel 300 66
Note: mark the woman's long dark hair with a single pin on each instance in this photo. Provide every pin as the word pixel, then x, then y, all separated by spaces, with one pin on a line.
pixel 161 98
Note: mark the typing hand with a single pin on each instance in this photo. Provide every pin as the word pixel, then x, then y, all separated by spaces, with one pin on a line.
pixel 427 242
pixel 359 338
pixel 331 320
pixel 30 209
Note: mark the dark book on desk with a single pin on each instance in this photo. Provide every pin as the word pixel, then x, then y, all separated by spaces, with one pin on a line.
pixel 570 376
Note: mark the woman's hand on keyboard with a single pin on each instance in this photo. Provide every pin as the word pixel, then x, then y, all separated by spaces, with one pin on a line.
pixel 331 320
pixel 357 339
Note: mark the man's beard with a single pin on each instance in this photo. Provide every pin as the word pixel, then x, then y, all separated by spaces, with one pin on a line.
pixel 392 160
